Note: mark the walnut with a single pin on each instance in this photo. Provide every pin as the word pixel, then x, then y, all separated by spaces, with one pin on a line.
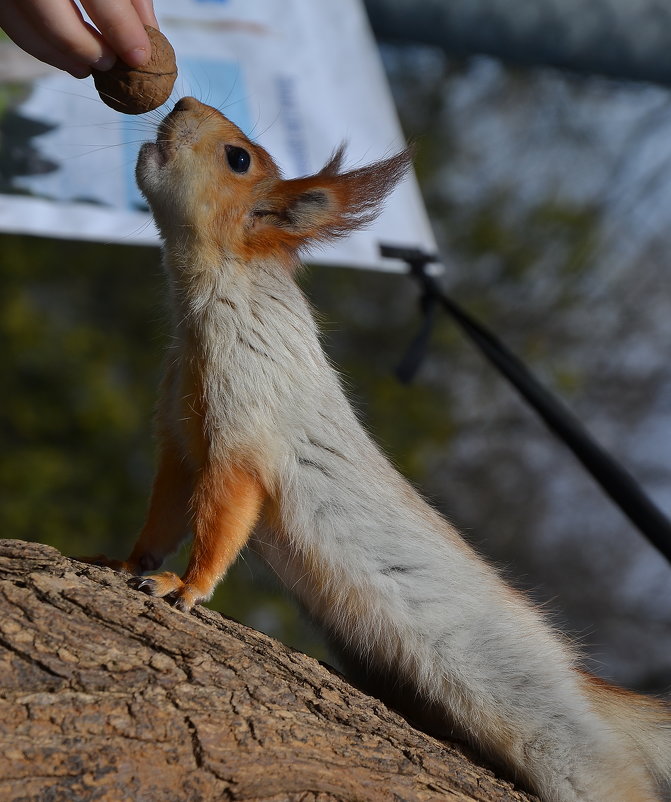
pixel 133 90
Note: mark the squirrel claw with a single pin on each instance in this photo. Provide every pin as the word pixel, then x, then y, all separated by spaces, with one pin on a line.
pixel 169 587
pixel 144 583
pixel 180 603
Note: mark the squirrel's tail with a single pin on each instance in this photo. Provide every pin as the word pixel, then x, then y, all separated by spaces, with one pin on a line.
pixel 644 722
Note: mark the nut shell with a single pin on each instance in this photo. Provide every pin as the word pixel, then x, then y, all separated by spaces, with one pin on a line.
pixel 137 90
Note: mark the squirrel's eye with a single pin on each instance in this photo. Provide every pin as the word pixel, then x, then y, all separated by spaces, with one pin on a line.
pixel 238 159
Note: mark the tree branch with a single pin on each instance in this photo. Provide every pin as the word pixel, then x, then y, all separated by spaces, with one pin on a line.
pixel 107 694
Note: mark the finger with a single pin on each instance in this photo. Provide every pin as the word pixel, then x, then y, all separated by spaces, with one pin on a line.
pixel 145 11
pixel 21 30
pixel 121 27
pixel 61 25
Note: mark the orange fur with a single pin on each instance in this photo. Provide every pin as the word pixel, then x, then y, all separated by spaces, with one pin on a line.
pixel 324 206
pixel 645 724
pixel 616 701
pixel 226 504
pixel 168 514
pixel 259 214
pixel 167 520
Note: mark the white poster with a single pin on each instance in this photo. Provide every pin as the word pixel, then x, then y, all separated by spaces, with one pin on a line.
pixel 298 76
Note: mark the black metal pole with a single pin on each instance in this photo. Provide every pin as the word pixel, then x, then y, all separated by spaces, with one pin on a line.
pixel 617 482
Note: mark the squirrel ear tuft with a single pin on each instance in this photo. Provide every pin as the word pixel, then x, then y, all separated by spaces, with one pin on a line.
pixel 333 165
pixel 329 204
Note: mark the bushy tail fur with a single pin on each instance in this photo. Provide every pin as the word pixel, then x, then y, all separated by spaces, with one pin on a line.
pixel 644 722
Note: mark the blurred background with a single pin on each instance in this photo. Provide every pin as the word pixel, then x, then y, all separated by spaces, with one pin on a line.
pixel 543 135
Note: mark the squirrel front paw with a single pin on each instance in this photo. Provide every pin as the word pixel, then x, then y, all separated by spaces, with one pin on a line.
pixel 169 586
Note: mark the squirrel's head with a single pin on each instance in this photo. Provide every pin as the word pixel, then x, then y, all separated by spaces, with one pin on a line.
pixel 204 176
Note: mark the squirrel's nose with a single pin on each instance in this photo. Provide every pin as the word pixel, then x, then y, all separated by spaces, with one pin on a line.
pixel 187 104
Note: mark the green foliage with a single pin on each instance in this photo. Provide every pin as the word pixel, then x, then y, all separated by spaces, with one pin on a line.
pixel 76 454
pixel 567 230
pixel 10 94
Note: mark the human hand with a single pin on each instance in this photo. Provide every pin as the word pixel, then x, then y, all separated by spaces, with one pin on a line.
pixel 54 31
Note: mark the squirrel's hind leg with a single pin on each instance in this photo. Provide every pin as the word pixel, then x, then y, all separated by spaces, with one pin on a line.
pixel 168 517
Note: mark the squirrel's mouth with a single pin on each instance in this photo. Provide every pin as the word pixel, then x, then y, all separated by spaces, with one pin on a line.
pixel 154 152
pixel 165 139
pixel 162 152
pixel 176 130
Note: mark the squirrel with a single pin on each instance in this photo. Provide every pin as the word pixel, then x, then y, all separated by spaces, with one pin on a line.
pixel 258 441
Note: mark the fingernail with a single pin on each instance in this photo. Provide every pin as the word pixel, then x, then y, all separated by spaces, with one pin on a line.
pixel 104 63
pixel 136 57
pixel 79 72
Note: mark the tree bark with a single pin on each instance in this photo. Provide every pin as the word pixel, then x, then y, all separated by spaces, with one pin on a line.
pixel 107 694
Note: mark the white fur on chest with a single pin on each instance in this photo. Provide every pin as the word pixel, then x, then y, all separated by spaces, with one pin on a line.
pixel 347 535
pixel 251 338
